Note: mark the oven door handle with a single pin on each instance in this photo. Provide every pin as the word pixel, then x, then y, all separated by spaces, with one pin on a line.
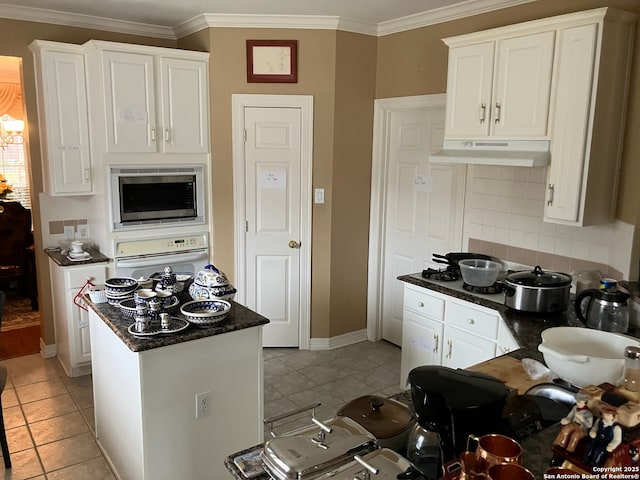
pixel 148 261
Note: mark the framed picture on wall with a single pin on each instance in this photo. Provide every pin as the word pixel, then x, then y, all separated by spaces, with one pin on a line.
pixel 272 61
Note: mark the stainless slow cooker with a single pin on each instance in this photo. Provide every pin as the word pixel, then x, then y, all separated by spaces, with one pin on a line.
pixel 537 291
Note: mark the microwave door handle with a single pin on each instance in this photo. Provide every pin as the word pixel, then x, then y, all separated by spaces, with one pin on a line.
pixel 150 261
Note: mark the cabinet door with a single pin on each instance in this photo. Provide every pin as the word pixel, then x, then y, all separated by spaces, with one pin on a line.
pixel 522 86
pixel 573 84
pixel 64 125
pixel 185 106
pixel 130 102
pixel 421 343
pixel 462 349
pixel 469 85
pixel 80 344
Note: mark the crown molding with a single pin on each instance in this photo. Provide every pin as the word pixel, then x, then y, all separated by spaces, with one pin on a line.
pixel 41 15
pixel 445 14
pixel 305 22
pixel 209 20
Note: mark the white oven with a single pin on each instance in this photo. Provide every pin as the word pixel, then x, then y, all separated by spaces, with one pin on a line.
pixel 143 257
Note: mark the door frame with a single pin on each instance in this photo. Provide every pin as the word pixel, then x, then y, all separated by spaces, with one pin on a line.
pixel 305 103
pixel 383 108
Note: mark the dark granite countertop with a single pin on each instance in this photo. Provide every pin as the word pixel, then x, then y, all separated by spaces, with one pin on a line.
pixel 239 318
pixel 64 261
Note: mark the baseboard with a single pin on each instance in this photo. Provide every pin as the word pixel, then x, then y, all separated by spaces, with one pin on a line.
pixel 340 341
pixel 48 351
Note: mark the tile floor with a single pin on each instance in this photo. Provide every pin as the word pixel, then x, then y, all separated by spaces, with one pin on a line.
pixel 49 416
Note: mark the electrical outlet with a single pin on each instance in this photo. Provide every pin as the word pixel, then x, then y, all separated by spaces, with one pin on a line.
pixel 69 232
pixel 83 230
pixel 203 404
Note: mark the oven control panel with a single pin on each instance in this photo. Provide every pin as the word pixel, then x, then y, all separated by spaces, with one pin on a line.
pixel 147 246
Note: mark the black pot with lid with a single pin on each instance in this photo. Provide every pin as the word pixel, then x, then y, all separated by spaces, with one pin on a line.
pixel 537 291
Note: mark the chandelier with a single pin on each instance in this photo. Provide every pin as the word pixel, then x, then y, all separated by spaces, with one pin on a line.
pixel 10 131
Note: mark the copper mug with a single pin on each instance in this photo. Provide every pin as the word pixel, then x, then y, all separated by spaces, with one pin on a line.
pixel 495 449
pixel 510 471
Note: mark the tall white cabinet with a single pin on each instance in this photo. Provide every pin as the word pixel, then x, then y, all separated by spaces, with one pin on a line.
pixel 149 99
pixel 63 118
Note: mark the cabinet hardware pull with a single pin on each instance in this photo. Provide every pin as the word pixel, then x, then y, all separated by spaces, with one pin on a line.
pixel 450 343
pixel 435 341
pixel 421 304
pixel 498 108
pixel 550 192
pixel 471 321
pixel 167 136
pixel 153 134
pixel 87 175
pixel 483 112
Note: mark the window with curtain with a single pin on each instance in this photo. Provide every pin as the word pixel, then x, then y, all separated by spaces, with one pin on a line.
pixel 13 159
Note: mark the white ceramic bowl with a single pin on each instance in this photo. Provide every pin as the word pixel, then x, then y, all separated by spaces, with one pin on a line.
pixel 583 356
pixel 479 273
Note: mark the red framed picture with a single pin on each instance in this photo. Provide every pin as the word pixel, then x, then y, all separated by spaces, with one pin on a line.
pixel 272 61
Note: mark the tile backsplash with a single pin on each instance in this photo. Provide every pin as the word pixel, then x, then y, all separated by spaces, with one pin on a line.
pixel 504 208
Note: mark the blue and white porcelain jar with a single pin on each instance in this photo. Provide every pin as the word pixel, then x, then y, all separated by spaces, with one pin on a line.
pixel 211 284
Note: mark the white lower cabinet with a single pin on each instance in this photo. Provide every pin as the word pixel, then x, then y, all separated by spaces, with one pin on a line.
pixel 73 342
pixel 442 330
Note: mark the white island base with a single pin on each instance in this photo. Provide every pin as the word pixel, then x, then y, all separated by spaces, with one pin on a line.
pixel 145 406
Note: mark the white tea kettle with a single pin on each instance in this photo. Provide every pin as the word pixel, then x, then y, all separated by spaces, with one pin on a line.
pixel 606 310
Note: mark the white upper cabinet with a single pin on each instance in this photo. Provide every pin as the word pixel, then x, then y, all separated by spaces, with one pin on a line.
pixel 155 99
pixel 499 88
pixel 591 83
pixel 62 118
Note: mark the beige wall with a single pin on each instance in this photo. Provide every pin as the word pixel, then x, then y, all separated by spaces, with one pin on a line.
pixel 338 69
pixel 422 58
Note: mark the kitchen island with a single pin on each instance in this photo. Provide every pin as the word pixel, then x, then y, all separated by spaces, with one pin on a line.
pixel 145 394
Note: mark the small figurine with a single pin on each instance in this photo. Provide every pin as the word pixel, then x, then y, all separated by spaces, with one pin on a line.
pixel 576 424
pixel 606 435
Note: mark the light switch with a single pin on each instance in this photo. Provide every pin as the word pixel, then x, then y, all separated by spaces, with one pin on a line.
pixel 318 195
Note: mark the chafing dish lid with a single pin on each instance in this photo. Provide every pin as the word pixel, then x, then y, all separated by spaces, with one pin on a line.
pixel 388 463
pixel 305 454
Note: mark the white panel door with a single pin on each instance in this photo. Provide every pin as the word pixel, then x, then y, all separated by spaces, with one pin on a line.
pixel 272 166
pixel 130 102
pixel 424 206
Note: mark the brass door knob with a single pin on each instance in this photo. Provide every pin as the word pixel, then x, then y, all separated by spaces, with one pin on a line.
pixel 294 244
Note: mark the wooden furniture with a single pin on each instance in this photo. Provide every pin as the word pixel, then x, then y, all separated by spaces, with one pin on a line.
pixel 17 259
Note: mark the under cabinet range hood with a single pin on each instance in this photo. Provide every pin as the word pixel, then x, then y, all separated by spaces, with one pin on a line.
pixel 512 153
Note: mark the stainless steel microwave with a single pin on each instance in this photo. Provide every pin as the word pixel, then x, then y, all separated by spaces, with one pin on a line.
pixel 156 196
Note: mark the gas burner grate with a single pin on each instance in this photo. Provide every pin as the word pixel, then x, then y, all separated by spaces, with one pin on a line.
pixel 444 274
pixel 497 287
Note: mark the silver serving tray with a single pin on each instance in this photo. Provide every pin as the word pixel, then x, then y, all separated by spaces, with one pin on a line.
pixel 303 455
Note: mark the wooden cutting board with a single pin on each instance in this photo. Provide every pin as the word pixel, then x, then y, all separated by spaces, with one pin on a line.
pixel 508 370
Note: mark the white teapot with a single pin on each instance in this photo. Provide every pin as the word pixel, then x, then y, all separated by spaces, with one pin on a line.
pixel 211 284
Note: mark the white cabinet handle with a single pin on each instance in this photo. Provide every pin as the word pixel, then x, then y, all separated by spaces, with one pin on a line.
pixel 167 136
pixel 421 304
pixel 435 342
pixel 450 343
pixel 153 134
pixel 550 192
pixel 471 321
pixel 483 112
pixel 497 116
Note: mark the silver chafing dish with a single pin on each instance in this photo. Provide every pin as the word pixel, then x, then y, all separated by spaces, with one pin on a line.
pixel 312 451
